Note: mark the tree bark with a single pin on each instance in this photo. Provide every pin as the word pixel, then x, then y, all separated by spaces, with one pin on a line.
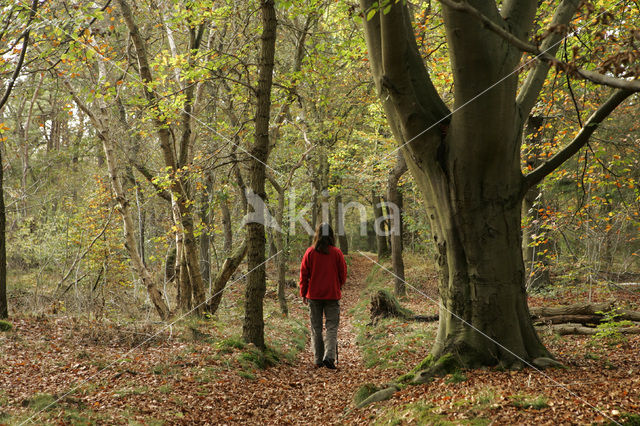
pixel 173 160
pixel 278 235
pixel 229 266
pixel 564 329
pixel 253 326
pixel 226 226
pixel 338 228
pixel 381 239
pixel 205 236
pixel 124 204
pixel 395 199
pixel 471 184
pixel 575 309
pixel 4 310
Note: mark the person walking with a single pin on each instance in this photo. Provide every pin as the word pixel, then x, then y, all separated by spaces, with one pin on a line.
pixel 323 272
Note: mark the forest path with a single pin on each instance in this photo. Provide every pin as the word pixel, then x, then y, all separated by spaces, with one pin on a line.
pixel 299 393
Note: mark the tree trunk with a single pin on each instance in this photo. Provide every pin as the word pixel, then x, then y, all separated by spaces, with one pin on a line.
pixel 278 235
pixel 253 326
pixel 205 238
pixel 395 200
pixel 226 227
pixel 564 329
pixel 339 223
pixel 4 309
pixel 130 242
pixel 173 160
pixel 124 204
pixel 468 171
pixel 381 239
pixel 229 266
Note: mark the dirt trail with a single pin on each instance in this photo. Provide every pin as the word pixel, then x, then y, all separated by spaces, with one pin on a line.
pixel 167 381
pixel 301 393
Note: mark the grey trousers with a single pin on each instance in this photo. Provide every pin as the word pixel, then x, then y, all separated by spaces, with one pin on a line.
pixel 324 348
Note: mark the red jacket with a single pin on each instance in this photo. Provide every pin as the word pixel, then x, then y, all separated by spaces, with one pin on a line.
pixel 322 275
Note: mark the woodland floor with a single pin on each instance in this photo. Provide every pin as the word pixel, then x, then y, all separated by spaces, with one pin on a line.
pixel 120 375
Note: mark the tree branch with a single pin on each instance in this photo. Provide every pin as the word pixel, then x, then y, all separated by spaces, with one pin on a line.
pixel 519 14
pixel 23 53
pixel 579 141
pixel 595 77
pixel 530 90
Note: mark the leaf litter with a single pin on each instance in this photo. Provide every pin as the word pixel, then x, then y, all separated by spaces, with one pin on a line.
pixel 116 380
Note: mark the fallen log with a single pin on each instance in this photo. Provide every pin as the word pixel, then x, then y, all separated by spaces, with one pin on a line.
pixel 565 329
pixel 575 309
pixel 583 313
pixel 562 319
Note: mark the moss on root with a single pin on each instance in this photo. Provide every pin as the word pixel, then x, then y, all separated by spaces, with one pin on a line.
pixel 442 366
pixel 5 325
pixel 364 392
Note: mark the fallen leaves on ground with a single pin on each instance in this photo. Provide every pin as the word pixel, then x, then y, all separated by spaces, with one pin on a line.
pixel 65 370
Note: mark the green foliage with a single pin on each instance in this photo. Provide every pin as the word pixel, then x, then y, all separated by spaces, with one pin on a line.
pixel 261 359
pixel 456 377
pixel 42 401
pixel 227 345
pixel 389 342
pixel 629 419
pixel 609 328
pixel 5 325
pixel 421 413
pixel 524 401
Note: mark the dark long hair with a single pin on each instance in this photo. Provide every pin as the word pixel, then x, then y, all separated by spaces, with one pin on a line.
pixel 323 238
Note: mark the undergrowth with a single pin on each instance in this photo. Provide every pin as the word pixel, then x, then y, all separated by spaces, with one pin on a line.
pixel 390 343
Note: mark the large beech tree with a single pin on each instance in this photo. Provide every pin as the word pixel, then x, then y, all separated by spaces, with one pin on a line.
pixel 466 161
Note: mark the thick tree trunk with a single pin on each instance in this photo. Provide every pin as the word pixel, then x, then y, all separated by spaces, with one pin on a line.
pixel 253 326
pixel 395 199
pixel 468 170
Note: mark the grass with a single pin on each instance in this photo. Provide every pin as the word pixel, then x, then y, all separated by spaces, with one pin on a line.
pixel 422 413
pixel 5 325
pixel 391 341
pixel 456 377
pixel 138 390
pixel 42 401
pixel 524 401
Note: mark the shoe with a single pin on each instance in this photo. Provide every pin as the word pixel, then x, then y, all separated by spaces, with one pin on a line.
pixel 329 364
pixel 318 365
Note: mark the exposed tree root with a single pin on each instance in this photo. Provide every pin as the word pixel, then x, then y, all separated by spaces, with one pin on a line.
pixel 385 305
